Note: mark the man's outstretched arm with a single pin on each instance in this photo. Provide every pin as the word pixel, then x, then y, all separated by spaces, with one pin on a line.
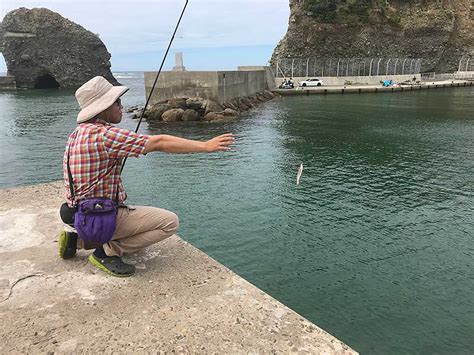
pixel 171 144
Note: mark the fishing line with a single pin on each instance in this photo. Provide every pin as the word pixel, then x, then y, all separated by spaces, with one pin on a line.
pixel 158 75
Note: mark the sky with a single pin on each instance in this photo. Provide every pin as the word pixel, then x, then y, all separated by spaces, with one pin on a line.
pixel 214 34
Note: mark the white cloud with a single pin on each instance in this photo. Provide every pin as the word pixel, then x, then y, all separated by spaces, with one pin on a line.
pixel 146 25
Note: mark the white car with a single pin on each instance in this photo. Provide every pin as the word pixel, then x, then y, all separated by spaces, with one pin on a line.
pixel 311 82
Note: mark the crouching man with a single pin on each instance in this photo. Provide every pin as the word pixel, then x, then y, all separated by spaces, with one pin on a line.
pixel 93 159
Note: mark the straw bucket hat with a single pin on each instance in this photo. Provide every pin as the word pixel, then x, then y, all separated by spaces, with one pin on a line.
pixel 96 96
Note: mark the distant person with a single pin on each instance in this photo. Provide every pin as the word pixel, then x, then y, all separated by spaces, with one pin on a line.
pixel 95 151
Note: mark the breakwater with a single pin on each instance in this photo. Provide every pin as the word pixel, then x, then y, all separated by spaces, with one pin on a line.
pixel 360 89
pixel 180 301
pixel 7 83
pixel 218 86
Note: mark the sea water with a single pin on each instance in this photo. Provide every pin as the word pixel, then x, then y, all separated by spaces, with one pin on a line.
pixel 375 244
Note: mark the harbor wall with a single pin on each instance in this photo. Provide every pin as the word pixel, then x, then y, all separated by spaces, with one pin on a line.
pixel 234 84
pixel 219 86
pixel 182 84
pixel 361 89
pixel 7 83
pixel 355 80
pixel 269 74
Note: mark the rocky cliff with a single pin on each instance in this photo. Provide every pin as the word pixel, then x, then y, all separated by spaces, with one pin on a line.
pixel 438 31
pixel 42 49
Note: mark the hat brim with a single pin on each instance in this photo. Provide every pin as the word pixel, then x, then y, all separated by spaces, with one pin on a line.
pixel 102 104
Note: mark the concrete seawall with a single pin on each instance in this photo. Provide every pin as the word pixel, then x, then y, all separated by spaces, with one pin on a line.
pixel 355 80
pixel 7 83
pixel 219 86
pixel 360 89
pixel 180 300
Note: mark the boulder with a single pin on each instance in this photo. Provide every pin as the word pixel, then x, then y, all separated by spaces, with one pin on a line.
pixel 269 95
pixel 261 97
pixel 131 109
pixel 157 111
pixel 212 106
pixel 254 100
pixel 191 115
pixel 230 105
pixel 214 116
pixel 243 107
pixel 178 103
pixel 246 101
pixel 230 112
pixel 196 103
pixel 173 115
pixel 42 49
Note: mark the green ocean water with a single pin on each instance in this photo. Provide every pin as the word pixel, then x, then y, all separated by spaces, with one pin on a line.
pixel 376 243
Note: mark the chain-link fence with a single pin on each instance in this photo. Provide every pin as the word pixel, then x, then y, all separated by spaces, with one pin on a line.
pixel 313 67
pixel 466 64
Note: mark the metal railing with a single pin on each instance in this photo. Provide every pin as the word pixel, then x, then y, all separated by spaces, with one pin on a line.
pixel 469 75
pixel 435 76
pixel 313 67
pixel 466 64
pixel 432 76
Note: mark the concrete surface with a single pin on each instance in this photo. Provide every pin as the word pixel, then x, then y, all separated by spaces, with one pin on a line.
pixel 235 84
pixel 7 83
pixel 180 300
pixel 359 89
pixel 219 86
pixel 270 75
pixel 182 84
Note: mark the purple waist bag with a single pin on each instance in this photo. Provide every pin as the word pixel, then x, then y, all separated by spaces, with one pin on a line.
pixel 96 220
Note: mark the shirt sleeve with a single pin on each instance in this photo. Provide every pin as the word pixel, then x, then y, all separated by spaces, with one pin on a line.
pixel 121 143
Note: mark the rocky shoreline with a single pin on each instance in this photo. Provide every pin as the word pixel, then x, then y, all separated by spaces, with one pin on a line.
pixel 188 109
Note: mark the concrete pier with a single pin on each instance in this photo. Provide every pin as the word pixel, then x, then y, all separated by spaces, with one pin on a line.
pixel 180 300
pixel 359 89
pixel 7 83
pixel 219 86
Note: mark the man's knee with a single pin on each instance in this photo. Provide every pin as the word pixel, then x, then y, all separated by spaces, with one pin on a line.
pixel 172 224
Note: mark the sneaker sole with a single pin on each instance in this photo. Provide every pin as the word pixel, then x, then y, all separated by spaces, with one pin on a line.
pixel 97 264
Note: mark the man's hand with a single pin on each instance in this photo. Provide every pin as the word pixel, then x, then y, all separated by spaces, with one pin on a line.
pixel 220 143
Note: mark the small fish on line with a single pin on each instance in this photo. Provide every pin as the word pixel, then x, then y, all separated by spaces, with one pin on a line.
pixel 298 176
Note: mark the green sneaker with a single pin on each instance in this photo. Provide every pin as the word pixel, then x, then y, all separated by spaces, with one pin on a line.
pixel 67 245
pixel 112 265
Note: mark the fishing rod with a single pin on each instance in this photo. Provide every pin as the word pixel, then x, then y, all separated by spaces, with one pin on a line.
pixel 158 75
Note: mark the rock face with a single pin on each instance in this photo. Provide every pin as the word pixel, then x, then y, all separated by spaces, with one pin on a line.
pixel 42 49
pixel 439 32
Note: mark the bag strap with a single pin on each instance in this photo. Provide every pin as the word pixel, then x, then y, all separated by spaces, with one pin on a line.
pixel 118 185
pixel 71 184
pixel 69 174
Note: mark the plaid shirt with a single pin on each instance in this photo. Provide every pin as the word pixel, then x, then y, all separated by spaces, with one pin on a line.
pixel 96 155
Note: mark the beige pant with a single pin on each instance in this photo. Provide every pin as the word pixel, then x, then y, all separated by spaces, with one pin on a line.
pixel 137 228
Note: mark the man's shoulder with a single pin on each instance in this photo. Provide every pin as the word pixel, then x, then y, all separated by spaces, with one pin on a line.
pixel 115 132
pixel 104 133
